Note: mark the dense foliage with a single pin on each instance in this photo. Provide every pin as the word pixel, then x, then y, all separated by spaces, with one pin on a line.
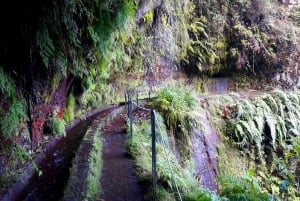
pixel 70 56
pixel 265 128
pixel 171 172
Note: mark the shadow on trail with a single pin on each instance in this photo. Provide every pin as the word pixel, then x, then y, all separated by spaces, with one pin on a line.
pixel 118 181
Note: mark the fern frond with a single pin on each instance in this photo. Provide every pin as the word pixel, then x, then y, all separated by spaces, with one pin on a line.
pixel 271 122
pixel 294 98
pixel 281 128
pixel 260 123
pixel 246 110
pixel 271 102
pixel 45 44
pixel 242 189
pixel 239 132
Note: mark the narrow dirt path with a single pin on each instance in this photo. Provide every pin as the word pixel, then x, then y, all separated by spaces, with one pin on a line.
pixel 118 181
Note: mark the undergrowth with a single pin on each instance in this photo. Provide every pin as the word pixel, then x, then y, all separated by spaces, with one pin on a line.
pixel 267 120
pixel 55 125
pixel 232 188
pixel 265 129
pixel 140 149
pixel 243 189
pixel 14 114
pixel 175 104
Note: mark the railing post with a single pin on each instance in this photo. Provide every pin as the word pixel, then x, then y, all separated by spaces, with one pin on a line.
pixel 154 174
pixel 130 116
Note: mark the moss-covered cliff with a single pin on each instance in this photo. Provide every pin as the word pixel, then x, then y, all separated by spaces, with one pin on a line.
pixel 60 58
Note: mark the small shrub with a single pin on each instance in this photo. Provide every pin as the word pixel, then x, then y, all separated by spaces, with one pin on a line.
pixel 242 189
pixel 200 195
pixel 55 126
pixel 174 104
pixel 295 15
pixel 168 167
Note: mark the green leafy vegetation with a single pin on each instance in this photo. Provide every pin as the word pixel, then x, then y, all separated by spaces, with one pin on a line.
pixel 267 120
pixel 231 187
pixel 199 51
pixel 295 15
pixel 57 126
pixel 96 42
pixel 264 129
pixel 295 151
pixel 168 166
pixel 243 189
pixel 175 104
pixel 70 108
pixel 15 114
pixel 115 30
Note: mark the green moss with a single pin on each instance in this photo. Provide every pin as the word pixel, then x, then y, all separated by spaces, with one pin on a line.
pixel 70 108
pixel 230 161
pixel 148 17
pixel 84 181
pixel 95 166
pixel 103 68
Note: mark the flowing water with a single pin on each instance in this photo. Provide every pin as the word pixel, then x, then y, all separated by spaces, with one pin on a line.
pixel 57 159
pixel 54 163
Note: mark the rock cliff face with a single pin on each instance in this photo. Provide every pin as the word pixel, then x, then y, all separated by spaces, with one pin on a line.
pixel 74 52
pixel 61 57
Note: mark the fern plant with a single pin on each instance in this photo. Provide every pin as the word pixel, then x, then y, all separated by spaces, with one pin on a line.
pixel 115 31
pixel 242 189
pixel 199 50
pixel 45 44
pixel 175 104
pixel 270 118
pixel 16 112
pixel 295 15
pixel 168 166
